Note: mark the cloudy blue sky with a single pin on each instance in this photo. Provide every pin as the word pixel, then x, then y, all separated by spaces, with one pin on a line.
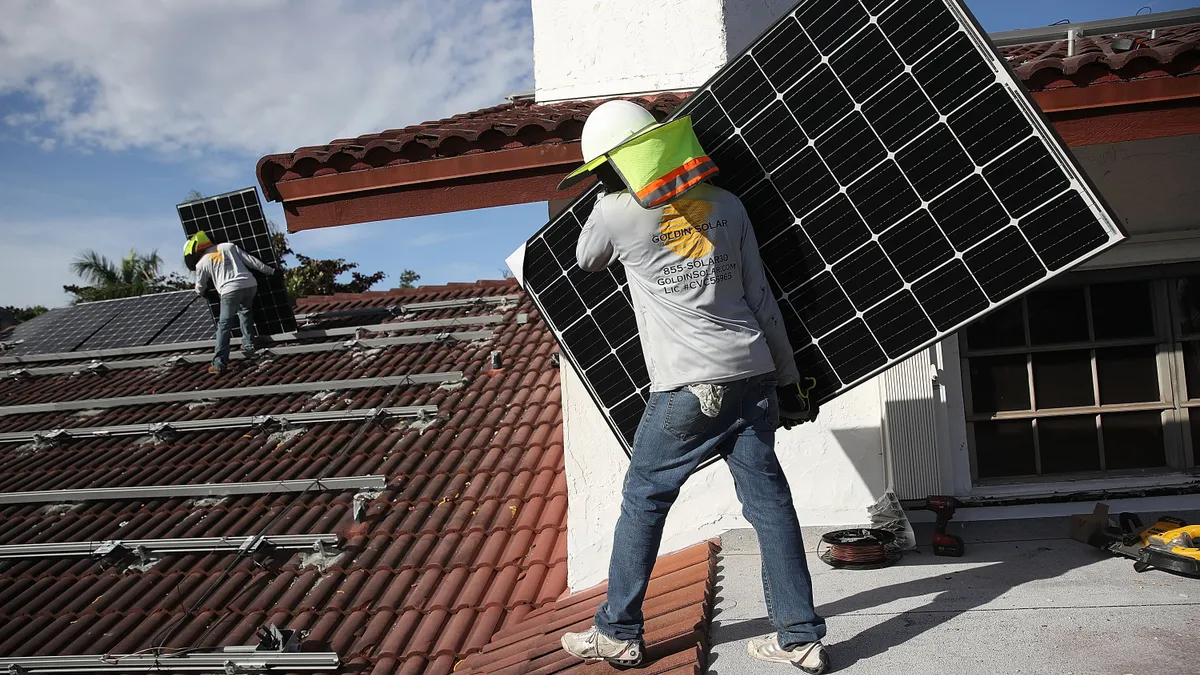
pixel 111 111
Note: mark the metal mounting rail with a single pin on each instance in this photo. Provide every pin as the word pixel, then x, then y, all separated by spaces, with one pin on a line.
pixel 1144 22
pixel 153 546
pixel 236 392
pixel 393 327
pixel 371 343
pixel 228 660
pixel 179 426
pixel 201 490
pixel 401 310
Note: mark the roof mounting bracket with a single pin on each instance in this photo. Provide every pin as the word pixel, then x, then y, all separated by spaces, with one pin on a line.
pixel 272 639
pixel 252 544
pixel 143 554
pixel 264 354
pixel 108 546
pixel 270 423
pixel 320 557
pixel 163 432
pixel 51 438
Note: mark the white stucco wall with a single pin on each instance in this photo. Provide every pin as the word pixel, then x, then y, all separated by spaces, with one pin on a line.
pixel 835 467
pixel 747 19
pixel 594 48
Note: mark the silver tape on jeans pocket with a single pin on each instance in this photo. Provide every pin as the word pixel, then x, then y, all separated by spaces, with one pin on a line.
pixel 710 396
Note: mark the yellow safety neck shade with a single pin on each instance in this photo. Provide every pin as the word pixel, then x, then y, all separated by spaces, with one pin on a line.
pixel 658 165
pixel 194 242
pixel 663 163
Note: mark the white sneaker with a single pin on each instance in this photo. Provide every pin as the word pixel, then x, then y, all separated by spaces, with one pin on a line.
pixel 811 658
pixel 592 645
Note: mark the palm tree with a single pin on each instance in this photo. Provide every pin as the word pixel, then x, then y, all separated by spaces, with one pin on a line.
pixel 135 274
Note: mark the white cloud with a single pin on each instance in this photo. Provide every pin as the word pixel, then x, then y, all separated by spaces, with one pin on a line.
pixel 252 76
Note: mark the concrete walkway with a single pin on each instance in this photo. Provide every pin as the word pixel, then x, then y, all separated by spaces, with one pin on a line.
pixel 1020 601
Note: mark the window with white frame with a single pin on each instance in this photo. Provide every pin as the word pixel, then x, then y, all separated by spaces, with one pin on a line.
pixel 1083 379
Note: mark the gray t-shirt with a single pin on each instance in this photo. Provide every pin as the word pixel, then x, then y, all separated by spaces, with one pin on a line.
pixel 229 268
pixel 704 310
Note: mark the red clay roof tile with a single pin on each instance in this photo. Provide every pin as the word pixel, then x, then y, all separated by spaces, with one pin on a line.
pixel 1173 52
pixel 425 576
pixel 677 607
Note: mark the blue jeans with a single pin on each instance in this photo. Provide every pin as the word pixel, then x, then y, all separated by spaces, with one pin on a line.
pixel 674 437
pixel 237 302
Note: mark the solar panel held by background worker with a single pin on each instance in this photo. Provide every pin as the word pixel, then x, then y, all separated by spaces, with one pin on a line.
pixel 229 269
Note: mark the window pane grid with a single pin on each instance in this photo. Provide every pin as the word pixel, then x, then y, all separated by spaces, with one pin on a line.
pixel 1100 344
pixel 1094 407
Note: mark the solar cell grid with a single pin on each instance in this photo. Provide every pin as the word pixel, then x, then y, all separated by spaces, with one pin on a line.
pixel 139 320
pixel 237 217
pixel 73 326
pixel 194 322
pixel 900 182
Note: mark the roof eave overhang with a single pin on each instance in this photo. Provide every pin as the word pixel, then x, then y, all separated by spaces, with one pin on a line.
pixel 1106 113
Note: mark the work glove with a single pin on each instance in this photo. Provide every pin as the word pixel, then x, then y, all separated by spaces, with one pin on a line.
pixel 796 406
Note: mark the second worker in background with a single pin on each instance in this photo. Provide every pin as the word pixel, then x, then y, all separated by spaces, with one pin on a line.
pixel 228 267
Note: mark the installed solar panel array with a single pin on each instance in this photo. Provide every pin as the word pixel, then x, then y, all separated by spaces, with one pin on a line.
pixel 900 183
pixel 237 217
pixel 124 322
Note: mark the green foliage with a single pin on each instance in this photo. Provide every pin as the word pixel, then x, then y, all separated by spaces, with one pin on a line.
pixel 311 276
pixel 408 278
pixel 26 313
pixel 135 274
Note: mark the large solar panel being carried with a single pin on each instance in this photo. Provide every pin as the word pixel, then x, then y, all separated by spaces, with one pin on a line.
pixel 900 181
pixel 237 217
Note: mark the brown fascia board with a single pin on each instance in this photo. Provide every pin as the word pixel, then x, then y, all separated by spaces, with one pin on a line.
pixel 432 171
pixel 1136 92
pixel 1105 113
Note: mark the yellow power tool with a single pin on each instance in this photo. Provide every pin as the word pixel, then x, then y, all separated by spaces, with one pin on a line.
pixel 1175 550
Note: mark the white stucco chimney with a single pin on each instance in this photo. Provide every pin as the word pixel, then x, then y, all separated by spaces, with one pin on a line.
pixel 596 48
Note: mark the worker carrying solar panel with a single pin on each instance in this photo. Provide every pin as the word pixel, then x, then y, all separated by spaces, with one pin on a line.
pixel 723 376
pixel 228 267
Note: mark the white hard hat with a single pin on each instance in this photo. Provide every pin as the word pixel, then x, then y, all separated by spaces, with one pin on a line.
pixel 611 124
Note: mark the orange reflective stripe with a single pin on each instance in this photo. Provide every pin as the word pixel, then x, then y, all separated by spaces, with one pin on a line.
pixel 669 187
pixel 670 177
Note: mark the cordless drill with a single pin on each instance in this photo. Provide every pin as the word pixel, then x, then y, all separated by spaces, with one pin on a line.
pixel 944 544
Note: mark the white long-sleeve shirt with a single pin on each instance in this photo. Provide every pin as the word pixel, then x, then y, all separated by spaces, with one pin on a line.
pixel 705 312
pixel 229 268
